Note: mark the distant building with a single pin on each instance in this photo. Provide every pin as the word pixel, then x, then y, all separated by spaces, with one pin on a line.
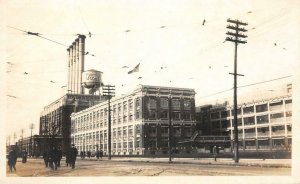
pixel 55 121
pixel 139 122
pixel 264 120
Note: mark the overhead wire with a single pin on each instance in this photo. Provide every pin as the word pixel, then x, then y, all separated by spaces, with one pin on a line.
pixel 252 84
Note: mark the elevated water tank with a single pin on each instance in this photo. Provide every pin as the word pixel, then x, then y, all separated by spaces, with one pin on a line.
pixel 91 79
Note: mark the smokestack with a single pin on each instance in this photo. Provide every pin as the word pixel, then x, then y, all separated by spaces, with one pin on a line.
pixel 81 61
pixel 76 53
pixel 77 85
pixel 69 63
pixel 74 68
pixel 71 69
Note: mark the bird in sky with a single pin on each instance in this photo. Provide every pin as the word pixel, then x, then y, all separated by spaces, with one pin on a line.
pixel 63 86
pixel 25 73
pixel 209 67
pixel 140 78
pixel 249 12
pixel 125 66
pixel 226 66
pixel 86 53
pixel 90 34
pixel 275 44
pixel 127 31
pixel 203 22
pixel 253 28
pixel 162 26
pixel 9 63
pixel 284 48
pixel 224 41
pixel 162 67
pixel 92 55
pixel 11 96
pixel 52 81
pixel 191 78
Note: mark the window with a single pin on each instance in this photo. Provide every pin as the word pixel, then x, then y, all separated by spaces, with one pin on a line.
pixel 164 130
pixel 176 131
pixel 125 106
pixel 225 123
pixel 187 115
pixel 164 115
pixel 176 104
pixel 152 130
pixel 152 114
pixel 262 119
pixel 249 121
pixel 164 103
pixel 130 145
pixel 261 108
pixel 224 114
pixel 215 115
pixel 238 111
pixel 176 115
pixel 130 104
pixel 137 103
pixel 276 116
pixel 152 103
pixel 125 145
pixel 248 110
pixel 187 105
pixel 124 131
pixel 137 129
pixel 119 132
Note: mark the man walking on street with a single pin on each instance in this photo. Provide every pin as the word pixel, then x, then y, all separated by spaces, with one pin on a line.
pixel 12 159
pixel 53 154
pixel 46 158
pixel 59 152
pixel 73 155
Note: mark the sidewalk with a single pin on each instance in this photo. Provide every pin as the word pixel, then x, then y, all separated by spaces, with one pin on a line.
pixel 277 163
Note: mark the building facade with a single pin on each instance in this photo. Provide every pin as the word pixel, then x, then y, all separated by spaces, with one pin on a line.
pixel 264 123
pixel 55 121
pixel 139 122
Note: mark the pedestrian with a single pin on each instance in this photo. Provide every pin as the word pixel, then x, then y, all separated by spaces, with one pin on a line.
pixel 81 154
pixel 73 155
pixel 215 152
pixel 53 155
pixel 68 157
pixel 89 154
pixel 84 154
pixel 59 152
pixel 12 159
pixel 24 156
pixel 98 154
pixel 46 158
pixel 101 154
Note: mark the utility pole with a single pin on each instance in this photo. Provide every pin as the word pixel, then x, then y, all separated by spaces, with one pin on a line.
pixel 22 131
pixel 109 91
pixel 15 136
pixel 31 126
pixel 235 37
pixel 170 129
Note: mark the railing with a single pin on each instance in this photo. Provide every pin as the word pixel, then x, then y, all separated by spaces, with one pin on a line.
pixel 277 120
pixel 276 108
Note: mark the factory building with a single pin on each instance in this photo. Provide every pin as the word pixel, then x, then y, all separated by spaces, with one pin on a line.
pixel 139 122
pixel 264 120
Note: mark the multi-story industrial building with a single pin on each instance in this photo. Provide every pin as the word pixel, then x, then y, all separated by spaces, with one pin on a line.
pixel 264 121
pixel 139 122
pixel 55 121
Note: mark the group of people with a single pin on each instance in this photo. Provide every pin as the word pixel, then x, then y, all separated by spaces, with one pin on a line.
pixel 53 157
pixel 99 154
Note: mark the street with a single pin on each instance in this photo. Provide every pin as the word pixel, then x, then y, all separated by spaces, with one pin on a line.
pixel 86 167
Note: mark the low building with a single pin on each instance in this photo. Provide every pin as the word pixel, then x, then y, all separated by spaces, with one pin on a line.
pixel 139 122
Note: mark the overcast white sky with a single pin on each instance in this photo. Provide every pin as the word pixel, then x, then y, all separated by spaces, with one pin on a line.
pixel 194 55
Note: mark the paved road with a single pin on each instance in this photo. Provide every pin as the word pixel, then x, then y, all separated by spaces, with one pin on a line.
pixel 36 168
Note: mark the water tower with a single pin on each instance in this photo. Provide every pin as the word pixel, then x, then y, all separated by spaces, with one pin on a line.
pixel 92 80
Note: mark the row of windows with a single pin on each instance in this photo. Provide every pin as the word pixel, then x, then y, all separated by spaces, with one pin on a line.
pixel 153 114
pixel 164 104
pixel 250 109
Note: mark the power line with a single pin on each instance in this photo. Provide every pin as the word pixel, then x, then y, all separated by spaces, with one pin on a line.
pixel 271 80
pixel 39 35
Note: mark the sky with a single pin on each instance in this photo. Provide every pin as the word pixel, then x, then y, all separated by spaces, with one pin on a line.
pixel 157 34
